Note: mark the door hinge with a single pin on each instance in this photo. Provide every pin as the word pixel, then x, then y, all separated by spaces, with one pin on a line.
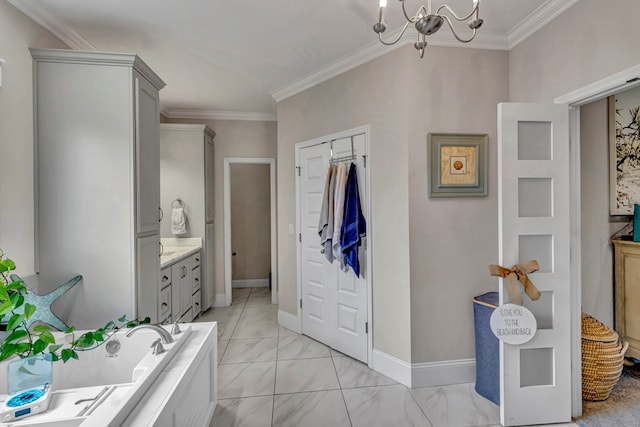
pixel 366 327
pixel 301 303
pixel 298 167
pixel 300 237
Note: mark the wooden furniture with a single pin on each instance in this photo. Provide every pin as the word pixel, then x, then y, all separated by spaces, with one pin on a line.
pixel 187 173
pixel 97 183
pixel 627 294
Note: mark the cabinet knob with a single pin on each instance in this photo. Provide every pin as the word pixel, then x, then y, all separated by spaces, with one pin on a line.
pixel 165 278
pixel 164 305
pixel 197 259
pixel 197 279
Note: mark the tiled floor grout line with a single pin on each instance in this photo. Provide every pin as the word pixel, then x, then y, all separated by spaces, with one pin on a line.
pixel 346 408
pixel 419 406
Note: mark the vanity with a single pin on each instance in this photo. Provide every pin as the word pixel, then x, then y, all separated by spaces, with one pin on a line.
pixel 180 280
pixel 627 293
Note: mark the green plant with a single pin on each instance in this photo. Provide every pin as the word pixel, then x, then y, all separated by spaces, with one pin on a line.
pixel 24 342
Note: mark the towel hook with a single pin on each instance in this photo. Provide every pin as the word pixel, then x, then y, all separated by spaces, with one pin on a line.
pixel 177 203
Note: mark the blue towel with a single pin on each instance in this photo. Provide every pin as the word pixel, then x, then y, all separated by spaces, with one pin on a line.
pixel 354 225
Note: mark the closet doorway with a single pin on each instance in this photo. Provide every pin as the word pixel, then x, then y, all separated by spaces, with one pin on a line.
pixel 237 170
pixel 334 306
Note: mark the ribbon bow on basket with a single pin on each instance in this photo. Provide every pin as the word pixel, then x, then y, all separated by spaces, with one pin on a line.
pixel 511 276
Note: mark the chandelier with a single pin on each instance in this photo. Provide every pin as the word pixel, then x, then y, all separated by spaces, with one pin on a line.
pixel 428 23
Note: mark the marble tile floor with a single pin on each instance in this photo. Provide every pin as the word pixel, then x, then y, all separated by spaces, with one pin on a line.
pixel 270 376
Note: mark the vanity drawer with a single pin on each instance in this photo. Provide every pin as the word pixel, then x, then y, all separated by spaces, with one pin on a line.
pixel 164 303
pixel 165 277
pixel 195 260
pixel 195 276
pixel 196 304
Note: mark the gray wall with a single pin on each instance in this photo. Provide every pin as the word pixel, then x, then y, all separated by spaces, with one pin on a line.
pixel 452 240
pixel 376 94
pixel 449 242
pixel 17 34
pixel 234 138
pixel 576 49
pixel 250 221
pixel 586 43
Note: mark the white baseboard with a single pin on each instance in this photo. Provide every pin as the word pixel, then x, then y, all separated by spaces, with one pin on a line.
pixel 220 301
pixel 251 283
pixel 394 368
pixel 289 321
pixel 443 373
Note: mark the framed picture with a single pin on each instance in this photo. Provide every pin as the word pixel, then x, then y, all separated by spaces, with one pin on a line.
pixel 458 165
pixel 624 152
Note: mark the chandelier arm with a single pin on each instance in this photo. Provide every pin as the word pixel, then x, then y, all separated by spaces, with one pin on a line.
pixel 456 17
pixel 404 29
pixel 461 40
pixel 411 19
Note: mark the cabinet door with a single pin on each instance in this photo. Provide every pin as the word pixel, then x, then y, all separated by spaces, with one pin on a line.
pixel 208 179
pixel 186 287
pixel 147 144
pixel 208 272
pixel 148 275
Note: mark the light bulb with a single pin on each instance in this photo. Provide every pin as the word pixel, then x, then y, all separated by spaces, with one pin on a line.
pixel 383 3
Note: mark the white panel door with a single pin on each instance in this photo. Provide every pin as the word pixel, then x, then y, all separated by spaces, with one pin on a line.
pixel 148 276
pixel 319 277
pixel 350 335
pixel 209 177
pixel 147 104
pixel 208 281
pixel 534 221
pixel 334 302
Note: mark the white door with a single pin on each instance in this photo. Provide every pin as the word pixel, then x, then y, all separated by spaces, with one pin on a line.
pixel 147 104
pixel 333 302
pixel 534 221
pixel 148 277
pixel 209 288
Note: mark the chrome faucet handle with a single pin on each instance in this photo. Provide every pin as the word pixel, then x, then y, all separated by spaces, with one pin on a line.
pixel 157 347
pixel 175 330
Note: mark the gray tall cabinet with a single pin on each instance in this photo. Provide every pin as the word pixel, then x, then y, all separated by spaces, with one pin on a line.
pixel 97 183
pixel 187 173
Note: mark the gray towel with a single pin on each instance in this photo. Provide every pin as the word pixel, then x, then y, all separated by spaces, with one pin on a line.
pixel 325 224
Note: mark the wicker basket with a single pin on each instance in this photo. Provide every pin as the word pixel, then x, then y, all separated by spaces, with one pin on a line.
pixel 602 358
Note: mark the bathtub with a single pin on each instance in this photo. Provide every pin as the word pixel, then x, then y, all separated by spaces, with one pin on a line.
pixel 133 387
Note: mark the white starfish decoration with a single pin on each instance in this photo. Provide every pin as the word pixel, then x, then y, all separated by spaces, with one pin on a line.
pixel 43 304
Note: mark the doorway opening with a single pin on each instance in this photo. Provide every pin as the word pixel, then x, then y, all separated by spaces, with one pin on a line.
pixel 613 84
pixel 249 226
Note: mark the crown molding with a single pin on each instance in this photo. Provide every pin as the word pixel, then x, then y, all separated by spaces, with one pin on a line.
pixel 53 24
pixel 623 80
pixel 218 115
pixel 537 19
pixel 374 49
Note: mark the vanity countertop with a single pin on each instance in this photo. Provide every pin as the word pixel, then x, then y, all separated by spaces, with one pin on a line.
pixel 177 249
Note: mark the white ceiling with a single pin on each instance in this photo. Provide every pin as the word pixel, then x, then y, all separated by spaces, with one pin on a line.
pixel 230 59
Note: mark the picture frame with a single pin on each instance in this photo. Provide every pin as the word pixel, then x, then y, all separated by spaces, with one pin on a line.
pixel 624 156
pixel 457 165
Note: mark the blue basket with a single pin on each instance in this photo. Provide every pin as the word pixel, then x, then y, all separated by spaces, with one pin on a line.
pixel 487 348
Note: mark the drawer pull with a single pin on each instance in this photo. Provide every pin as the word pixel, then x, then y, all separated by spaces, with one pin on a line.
pixel 165 278
pixel 197 279
pixel 197 259
pixel 164 305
